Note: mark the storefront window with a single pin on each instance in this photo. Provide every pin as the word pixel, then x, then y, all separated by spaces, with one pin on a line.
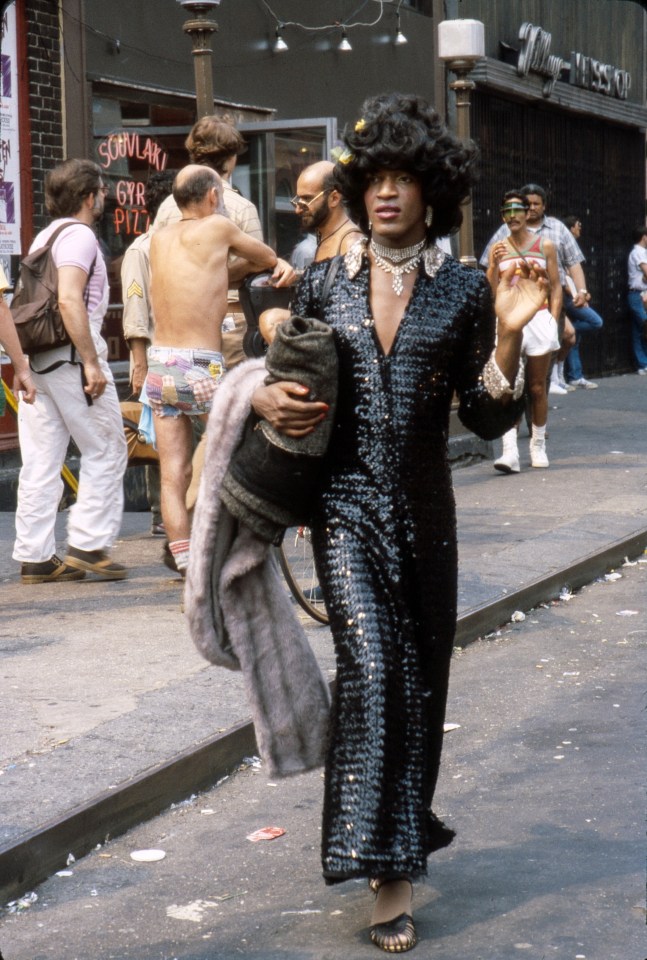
pixel 134 139
pixel 269 171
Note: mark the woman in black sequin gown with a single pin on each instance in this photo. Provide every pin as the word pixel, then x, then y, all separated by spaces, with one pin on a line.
pixel 385 526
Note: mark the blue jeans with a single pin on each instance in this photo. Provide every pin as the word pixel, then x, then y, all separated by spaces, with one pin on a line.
pixel 638 317
pixel 583 319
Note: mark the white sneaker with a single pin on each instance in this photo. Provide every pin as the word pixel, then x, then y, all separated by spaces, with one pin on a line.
pixel 642 371
pixel 508 462
pixel 538 456
pixel 556 387
pixel 585 384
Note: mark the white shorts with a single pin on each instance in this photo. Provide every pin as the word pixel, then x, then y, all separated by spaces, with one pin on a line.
pixel 540 336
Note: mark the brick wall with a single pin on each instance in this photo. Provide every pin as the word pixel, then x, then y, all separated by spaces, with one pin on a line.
pixel 45 96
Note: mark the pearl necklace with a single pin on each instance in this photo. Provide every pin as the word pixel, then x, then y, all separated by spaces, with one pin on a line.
pixel 397 261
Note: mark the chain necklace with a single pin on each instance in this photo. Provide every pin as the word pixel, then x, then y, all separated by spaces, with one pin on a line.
pixel 332 233
pixel 397 261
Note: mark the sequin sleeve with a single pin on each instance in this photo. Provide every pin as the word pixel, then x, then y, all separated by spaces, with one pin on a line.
pixel 308 292
pixel 487 416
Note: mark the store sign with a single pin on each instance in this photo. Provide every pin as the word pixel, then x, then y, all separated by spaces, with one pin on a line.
pixel 9 142
pixel 583 71
pixel 130 217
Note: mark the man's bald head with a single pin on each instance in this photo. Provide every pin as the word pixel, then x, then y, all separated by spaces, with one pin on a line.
pixel 193 184
pixel 316 177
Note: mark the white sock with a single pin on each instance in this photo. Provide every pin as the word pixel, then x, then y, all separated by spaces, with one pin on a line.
pixel 538 433
pixel 180 551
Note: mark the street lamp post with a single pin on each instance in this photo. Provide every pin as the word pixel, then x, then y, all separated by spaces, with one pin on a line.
pixel 200 30
pixel 460 44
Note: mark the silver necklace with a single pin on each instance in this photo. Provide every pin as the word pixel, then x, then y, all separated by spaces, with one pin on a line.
pixel 397 261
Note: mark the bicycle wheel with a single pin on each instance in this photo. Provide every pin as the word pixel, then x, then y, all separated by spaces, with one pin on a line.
pixel 298 566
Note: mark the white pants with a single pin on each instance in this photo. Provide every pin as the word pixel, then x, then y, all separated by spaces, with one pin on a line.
pixel 45 427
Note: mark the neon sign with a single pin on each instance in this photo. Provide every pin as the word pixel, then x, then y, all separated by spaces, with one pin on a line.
pixel 130 217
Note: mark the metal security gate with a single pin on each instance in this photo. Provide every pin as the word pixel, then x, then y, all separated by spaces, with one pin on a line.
pixel 588 167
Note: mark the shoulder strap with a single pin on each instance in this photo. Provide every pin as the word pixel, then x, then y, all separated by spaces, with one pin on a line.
pixel 54 236
pixel 351 229
pixel 329 279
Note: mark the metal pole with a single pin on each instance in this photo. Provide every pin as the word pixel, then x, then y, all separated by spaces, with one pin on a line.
pixel 463 87
pixel 200 31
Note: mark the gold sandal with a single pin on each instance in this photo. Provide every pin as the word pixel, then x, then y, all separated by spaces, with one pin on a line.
pixel 393 936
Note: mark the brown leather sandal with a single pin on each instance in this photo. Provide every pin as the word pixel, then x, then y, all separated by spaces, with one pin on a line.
pixel 97 562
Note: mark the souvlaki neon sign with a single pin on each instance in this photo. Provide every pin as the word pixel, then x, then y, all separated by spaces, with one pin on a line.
pixel 586 72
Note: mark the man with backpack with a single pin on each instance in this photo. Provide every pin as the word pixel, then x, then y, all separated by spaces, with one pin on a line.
pixel 76 398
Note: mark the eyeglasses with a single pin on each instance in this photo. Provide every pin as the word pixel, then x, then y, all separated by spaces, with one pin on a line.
pixel 298 201
pixel 511 209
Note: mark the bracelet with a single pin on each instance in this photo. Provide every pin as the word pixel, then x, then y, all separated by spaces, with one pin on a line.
pixel 583 291
pixel 498 385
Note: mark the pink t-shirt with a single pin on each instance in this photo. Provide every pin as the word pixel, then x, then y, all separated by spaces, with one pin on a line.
pixel 77 246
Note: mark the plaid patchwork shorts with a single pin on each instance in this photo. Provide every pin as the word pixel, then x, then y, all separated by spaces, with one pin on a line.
pixel 181 381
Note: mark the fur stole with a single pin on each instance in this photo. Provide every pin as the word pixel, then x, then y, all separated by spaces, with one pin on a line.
pixel 239 613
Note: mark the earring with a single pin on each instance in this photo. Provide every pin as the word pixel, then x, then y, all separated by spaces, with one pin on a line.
pixel 429 217
pixel 370 226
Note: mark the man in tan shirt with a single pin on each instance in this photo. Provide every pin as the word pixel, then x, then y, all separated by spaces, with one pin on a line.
pixel 189 279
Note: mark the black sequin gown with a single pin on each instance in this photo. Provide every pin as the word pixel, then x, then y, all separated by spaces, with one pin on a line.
pixel 385 542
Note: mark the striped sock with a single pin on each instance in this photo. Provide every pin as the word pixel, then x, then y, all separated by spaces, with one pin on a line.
pixel 180 551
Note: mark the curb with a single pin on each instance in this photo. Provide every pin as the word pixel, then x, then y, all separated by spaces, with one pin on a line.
pixel 39 854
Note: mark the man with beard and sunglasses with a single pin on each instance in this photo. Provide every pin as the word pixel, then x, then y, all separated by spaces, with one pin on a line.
pixel 320 207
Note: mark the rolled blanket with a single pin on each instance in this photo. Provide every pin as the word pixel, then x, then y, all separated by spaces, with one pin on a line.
pixel 272 479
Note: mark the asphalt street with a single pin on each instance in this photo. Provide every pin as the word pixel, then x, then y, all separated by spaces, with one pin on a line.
pixel 542 779
pixel 100 685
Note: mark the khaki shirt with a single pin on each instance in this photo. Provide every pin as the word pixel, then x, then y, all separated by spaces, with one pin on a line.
pixel 135 290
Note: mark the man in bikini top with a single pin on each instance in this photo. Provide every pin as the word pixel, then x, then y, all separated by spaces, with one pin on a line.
pixel 533 254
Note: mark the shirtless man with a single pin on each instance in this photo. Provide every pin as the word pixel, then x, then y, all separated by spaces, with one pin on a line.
pixel 189 281
pixel 320 207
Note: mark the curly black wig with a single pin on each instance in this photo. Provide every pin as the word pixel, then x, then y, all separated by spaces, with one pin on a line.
pixel 403 132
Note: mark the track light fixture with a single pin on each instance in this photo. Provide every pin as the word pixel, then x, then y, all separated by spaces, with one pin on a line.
pixel 344 45
pixel 279 45
pixel 400 38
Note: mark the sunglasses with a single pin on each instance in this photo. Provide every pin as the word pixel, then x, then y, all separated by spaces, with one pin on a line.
pixel 302 202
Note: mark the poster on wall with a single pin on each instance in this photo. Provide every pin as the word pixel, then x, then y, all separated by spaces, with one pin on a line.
pixel 9 146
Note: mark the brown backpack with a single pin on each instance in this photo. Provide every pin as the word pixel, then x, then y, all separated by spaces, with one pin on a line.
pixel 34 307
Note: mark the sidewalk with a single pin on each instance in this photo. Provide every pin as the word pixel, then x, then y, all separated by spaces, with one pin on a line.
pixel 101 686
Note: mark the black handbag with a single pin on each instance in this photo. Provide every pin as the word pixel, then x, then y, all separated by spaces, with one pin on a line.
pixel 257 294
